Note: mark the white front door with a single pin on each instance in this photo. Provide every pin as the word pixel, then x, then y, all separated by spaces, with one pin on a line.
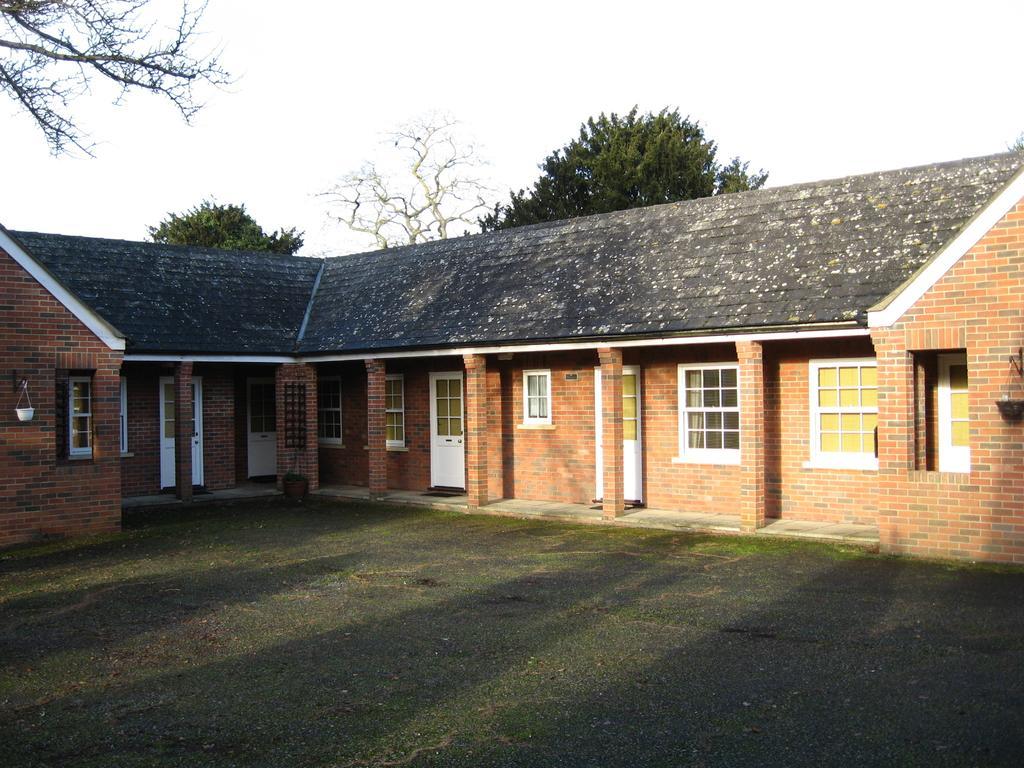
pixel 954 414
pixel 262 428
pixel 447 431
pixel 167 427
pixel 632 447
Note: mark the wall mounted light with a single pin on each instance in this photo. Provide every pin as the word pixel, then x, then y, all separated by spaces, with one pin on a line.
pixel 24 408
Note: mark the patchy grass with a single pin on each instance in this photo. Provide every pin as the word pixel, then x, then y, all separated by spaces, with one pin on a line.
pixel 352 635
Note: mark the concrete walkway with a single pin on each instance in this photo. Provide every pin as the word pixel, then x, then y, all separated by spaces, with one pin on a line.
pixel 861 535
pixel 240 491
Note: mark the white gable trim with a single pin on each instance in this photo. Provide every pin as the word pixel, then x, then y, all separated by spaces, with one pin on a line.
pixel 888 311
pixel 103 330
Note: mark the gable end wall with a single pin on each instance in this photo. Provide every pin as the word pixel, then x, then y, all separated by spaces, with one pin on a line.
pixel 39 493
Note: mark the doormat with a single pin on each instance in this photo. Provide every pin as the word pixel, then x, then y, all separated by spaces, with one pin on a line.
pixel 263 479
pixel 628 505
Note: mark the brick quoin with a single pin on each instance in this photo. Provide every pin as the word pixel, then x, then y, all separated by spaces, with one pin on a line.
pixel 752 435
pixel 183 431
pixel 613 502
pixel 301 456
pixel 41 494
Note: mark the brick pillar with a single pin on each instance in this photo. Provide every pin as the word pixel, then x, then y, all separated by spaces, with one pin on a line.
pixel 896 433
pixel 753 482
pixel 376 433
pixel 614 503
pixel 183 431
pixel 476 430
pixel 297 448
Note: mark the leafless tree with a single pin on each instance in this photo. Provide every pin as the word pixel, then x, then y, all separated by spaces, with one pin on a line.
pixel 1017 145
pixel 434 194
pixel 51 50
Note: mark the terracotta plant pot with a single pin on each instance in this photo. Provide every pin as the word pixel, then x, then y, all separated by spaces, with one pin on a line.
pixel 296 488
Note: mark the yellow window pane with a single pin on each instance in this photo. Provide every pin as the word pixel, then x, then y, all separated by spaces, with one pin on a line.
pixel 958 403
pixel 830 422
pixel 961 433
pixel 169 428
pixel 827 377
pixel 850 422
pixel 828 398
pixel 442 427
pixel 442 407
pixel 629 430
pixel 869 443
pixel 849 398
pixel 629 384
pixel 442 387
pixel 869 376
pixel 849 377
pixel 829 442
pixel 851 443
pixel 870 422
pixel 455 388
pixel 455 427
pixel 392 433
pixel 958 377
pixel 869 398
pixel 629 407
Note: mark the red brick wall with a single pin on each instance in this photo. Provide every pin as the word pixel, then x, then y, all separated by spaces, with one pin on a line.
pixel 39 493
pixel 976 306
pixel 796 491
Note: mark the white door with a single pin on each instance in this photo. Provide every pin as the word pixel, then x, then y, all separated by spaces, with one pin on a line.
pixel 954 415
pixel 262 428
pixel 167 426
pixel 632 447
pixel 447 431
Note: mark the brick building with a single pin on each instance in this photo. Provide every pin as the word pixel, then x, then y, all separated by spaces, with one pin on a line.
pixel 845 350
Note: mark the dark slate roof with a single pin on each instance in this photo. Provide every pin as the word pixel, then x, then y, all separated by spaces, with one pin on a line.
pixel 167 298
pixel 806 254
pixel 812 253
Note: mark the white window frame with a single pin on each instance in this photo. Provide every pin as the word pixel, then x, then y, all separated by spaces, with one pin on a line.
pixel 952 458
pixel 401 379
pixel 546 373
pixel 124 414
pixel 836 459
pixel 341 416
pixel 79 453
pixel 689 455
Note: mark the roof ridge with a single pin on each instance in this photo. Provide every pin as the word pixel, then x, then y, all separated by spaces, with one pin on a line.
pixel 691 202
pixel 196 249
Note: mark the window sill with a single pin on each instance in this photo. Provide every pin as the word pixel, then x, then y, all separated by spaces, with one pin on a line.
pixel 398 449
pixel 127 455
pixel 729 461
pixel 80 457
pixel 859 465
pixel 535 426
pixel 330 444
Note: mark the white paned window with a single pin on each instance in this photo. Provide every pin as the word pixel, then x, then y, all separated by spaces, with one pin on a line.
pixel 954 414
pixel 394 410
pixel 709 414
pixel 328 409
pixel 80 416
pixel 536 397
pixel 124 415
pixel 844 413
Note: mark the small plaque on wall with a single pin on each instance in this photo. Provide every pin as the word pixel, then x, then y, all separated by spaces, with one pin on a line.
pixel 572 377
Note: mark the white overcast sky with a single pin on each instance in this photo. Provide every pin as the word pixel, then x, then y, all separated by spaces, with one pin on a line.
pixel 807 91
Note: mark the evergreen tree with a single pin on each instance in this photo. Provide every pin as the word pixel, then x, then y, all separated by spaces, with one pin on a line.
pixel 625 162
pixel 223 226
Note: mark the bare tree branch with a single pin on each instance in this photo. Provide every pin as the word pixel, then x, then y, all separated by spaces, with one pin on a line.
pixel 442 190
pixel 50 50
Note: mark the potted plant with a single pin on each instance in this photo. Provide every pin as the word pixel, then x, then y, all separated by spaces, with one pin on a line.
pixel 295 485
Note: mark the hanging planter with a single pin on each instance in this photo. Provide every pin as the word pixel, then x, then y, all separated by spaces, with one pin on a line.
pixel 24 412
pixel 1012 408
